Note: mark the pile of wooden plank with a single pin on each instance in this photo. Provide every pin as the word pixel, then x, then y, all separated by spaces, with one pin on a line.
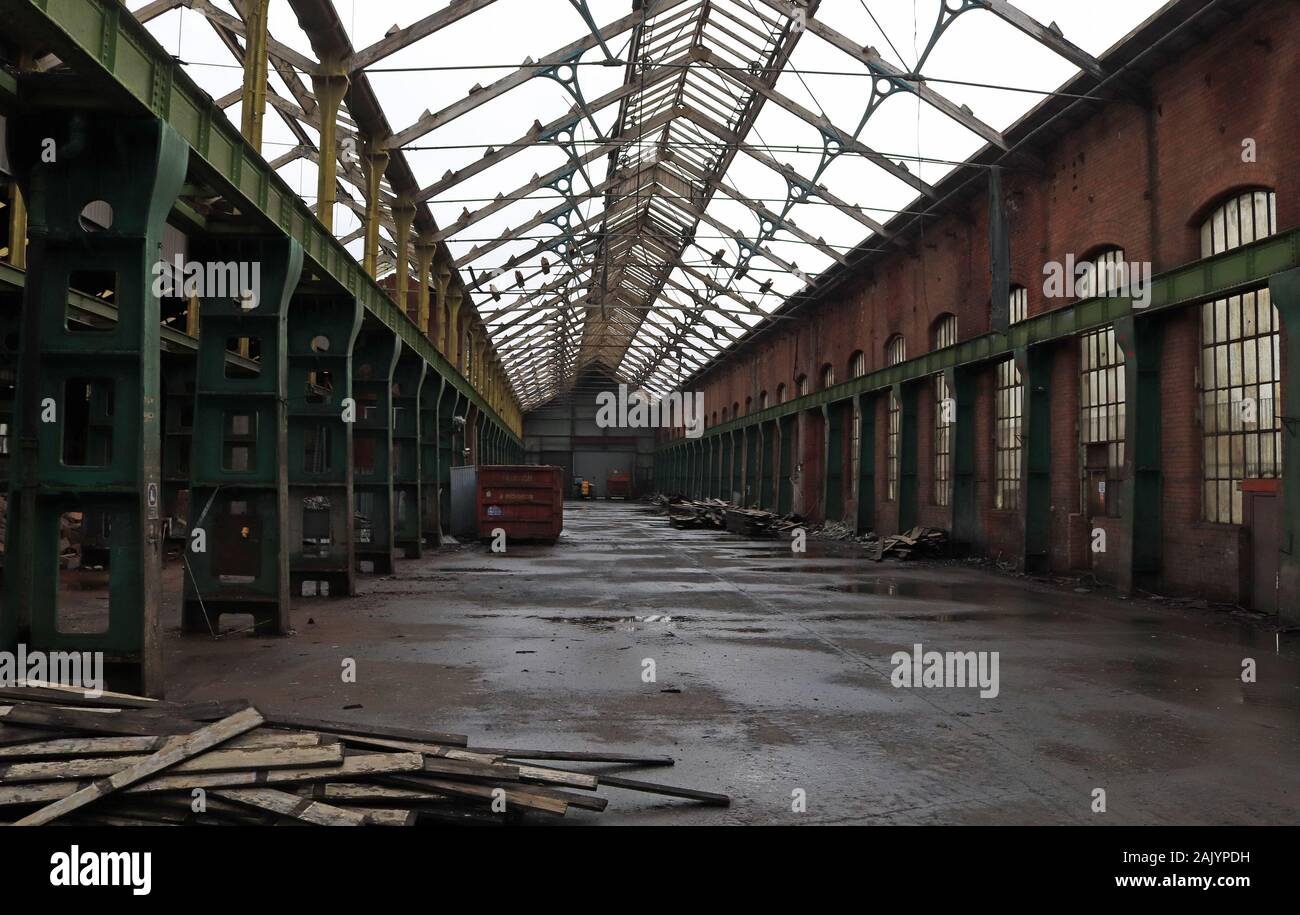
pixel 928 542
pixel 721 515
pixel 115 759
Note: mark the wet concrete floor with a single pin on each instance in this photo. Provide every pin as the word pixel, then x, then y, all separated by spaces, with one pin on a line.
pixel 773 677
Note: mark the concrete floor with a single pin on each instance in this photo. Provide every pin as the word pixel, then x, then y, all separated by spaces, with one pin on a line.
pixel 774 675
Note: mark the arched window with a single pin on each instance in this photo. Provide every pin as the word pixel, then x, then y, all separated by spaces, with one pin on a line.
pixel 858 364
pixel 724 414
pixel 945 335
pixel 1241 409
pixel 762 400
pixel 857 368
pixel 735 409
pixel 828 376
pixel 945 331
pixel 1018 304
pixel 801 385
pixel 895 350
pixel 1104 272
pixel 780 392
pixel 749 405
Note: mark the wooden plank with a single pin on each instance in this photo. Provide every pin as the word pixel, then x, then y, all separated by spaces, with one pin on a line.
pixel 144 722
pixel 216 761
pixel 631 784
pixel 125 745
pixel 414 746
pixel 43 691
pixel 558 777
pixel 291 805
pixel 351 768
pixel 465 769
pixel 343 727
pixel 523 798
pixel 386 816
pixel 577 756
pixel 182 749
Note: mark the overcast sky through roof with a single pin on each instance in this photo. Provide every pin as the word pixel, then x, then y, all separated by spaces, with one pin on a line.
pixel 978 48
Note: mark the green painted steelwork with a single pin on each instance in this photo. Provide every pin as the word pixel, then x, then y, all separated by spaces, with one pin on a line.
pixel 1035 365
pixel 408 516
pixel 1141 503
pixel 178 383
pixel 833 480
pixel 767 495
pixel 866 517
pixel 1284 289
pixel 1232 273
pixel 908 478
pixel 962 389
pixel 374 360
pixel 785 488
pixel 239 480
pixel 430 458
pixel 103 43
pixel 322 547
pixel 62 462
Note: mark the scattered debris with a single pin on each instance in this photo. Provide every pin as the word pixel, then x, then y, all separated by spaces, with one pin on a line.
pixel 115 759
pixel 927 542
pixel 720 515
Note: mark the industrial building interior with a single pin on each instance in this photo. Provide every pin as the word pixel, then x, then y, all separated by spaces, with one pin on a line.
pixel 650 412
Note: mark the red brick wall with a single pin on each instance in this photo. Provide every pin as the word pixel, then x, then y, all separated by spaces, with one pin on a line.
pixel 1137 174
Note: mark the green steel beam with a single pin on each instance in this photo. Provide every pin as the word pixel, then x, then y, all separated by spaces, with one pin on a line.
pixel 104 43
pixel 1232 273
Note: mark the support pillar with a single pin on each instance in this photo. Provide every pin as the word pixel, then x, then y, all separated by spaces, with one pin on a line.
pixel 447 452
pixel 962 388
pixel 329 85
pixel 17 212
pixel 431 397
pixel 253 98
pixel 240 488
pixel 866 518
pixel 1035 365
pixel 908 476
pixel 403 219
pixel 376 163
pixel 424 251
pixel 785 472
pixel 1284 289
pixel 451 330
pixel 59 462
pixel 833 479
pixel 408 516
pixel 1140 489
pixel 767 494
pixel 178 385
pixel 374 361
pixel 322 542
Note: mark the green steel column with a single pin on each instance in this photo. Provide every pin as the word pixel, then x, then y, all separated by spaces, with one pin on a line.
pixel 11 309
pixel 1284 289
pixel 240 480
pixel 785 486
pixel 431 396
pixel 833 479
pixel 962 388
pixel 178 381
pixel 447 457
pixel 908 483
pixel 749 489
pixel 767 496
pixel 137 166
pixel 866 519
pixel 1035 364
pixel 322 546
pixel 374 361
pixel 1140 488
pixel 408 516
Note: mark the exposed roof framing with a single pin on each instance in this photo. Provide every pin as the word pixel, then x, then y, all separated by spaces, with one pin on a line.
pixel 626 265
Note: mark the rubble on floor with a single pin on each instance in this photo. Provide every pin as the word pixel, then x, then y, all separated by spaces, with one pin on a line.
pixel 922 542
pixel 72 757
pixel 721 515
